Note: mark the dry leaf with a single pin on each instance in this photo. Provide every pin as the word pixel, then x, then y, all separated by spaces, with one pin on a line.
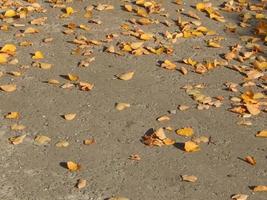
pixel 262 133
pixel 12 115
pixel 42 139
pixel 17 139
pixel 118 198
pixel 163 118
pixel 185 132
pixel 189 178
pixel 183 107
pixel 8 88
pixel 10 13
pixel 126 76
pixel 135 157
pixel 73 77
pixel 260 188
pixel 250 160
pixel 72 166
pixel 240 197
pixel 69 116
pixel 89 141
pixel 122 106
pixel 81 183
pixel 38 55
pixel 8 48
pixel 191 146
pixel 84 86
pixel 17 127
pixel 62 143
pixel 168 65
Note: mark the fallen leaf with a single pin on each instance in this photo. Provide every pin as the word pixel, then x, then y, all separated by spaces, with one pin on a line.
pixel 62 143
pixel 185 132
pixel 73 77
pixel 17 139
pixel 8 88
pixel 42 139
pixel 38 55
pixel 189 178
pixel 260 188
pixel 8 48
pixel 12 115
pixel 72 166
pixel 191 146
pixel 262 133
pixel 69 10
pixel 89 141
pixel 163 118
pixel 126 76
pixel 240 197
pixel 250 160
pixel 69 116
pixel 10 13
pixel 118 198
pixel 81 183
pixel 17 127
pixel 168 65
pixel 122 106
pixel 135 157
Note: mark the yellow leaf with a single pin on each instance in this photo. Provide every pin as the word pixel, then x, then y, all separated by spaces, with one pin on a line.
pixel 185 132
pixel 73 77
pixel 214 44
pixel 69 10
pixel 38 55
pixel 8 48
pixel 31 30
pixel 136 45
pixel 8 88
pixel 3 58
pixel 168 141
pixel 69 116
pixel 262 133
pixel 62 143
pixel 12 115
pixel 42 139
pixel 126 76
pixel 168 65
pixel 190 146
pixel 15 73
pixel 17 139
pixel 201 6
pixel 122 106
pixel 72 166
pixel 146 36
pixel 45 65
pixel 17 127
pixel 10 13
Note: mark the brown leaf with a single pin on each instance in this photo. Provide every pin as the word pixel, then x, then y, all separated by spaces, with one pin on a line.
pixel 262 133
pixel 135 157
pixel 89 141
pixel 250 160
pixel 62 143
pixel 260 188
